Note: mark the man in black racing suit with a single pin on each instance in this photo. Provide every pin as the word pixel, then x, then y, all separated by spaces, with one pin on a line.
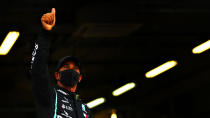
pixel 58 101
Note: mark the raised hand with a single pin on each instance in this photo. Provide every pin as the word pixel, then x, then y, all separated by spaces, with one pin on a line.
pixel 48 20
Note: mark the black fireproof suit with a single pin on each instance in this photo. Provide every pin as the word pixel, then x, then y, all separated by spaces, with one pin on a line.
pixel 52 101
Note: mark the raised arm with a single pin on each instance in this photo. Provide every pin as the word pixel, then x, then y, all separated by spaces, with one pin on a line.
pixel 39 63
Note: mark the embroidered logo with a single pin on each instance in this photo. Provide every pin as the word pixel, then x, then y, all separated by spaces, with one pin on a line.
pixel 65 100
pixel 85 115
pixel 34 54
pixel 83 107
pixel 62 92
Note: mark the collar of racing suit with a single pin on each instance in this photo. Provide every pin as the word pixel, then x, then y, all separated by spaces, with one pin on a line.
pixel 73 95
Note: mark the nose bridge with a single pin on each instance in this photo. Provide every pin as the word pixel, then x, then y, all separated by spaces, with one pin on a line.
pixel 71 66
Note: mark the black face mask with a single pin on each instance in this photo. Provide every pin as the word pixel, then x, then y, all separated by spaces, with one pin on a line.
pixel 69 78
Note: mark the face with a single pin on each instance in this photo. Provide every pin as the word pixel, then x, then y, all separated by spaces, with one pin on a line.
pixel 68 65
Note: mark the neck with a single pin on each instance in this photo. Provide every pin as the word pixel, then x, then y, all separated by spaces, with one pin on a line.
pixel 71 89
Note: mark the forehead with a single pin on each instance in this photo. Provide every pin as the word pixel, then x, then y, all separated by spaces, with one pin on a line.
pixel 69 63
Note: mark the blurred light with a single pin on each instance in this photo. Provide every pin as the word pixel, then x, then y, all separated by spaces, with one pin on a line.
pixel 114 115
pixel 160 69
pixel 96 102
pixel 201 48
pixel 123 89
pixel 8 42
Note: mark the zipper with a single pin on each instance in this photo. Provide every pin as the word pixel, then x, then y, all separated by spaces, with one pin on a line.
pixel 75 106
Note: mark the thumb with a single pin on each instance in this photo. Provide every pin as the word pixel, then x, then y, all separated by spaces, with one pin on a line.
pixel 53 11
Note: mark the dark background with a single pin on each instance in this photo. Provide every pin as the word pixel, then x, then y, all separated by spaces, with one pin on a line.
pixel 117 41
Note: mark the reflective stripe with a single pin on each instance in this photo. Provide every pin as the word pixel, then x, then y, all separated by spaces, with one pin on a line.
pixel 55 104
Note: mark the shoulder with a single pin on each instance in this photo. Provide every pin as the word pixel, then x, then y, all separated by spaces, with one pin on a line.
pixel 85 109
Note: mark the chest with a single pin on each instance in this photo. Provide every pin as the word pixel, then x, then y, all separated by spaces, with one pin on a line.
pixel 69 107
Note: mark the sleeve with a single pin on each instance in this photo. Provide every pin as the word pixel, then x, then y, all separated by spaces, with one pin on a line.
pixel 39 69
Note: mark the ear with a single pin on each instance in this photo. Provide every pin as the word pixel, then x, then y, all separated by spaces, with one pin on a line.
pixel 80 78
pixel 57 75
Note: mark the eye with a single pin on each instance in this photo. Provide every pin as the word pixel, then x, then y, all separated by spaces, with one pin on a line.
pixel 76 67
pixel 66 66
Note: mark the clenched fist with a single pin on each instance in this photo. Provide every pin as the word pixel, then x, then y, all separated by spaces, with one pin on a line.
pixel 48 20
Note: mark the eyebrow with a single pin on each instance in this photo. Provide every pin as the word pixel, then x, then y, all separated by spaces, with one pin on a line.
pixel 75 66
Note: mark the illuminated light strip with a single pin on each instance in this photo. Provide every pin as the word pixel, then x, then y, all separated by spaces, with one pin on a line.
pixel 201 48
pixel 8 42
pixel 123 89
pixel 160 69
pixel 96 102
pixel 114 115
